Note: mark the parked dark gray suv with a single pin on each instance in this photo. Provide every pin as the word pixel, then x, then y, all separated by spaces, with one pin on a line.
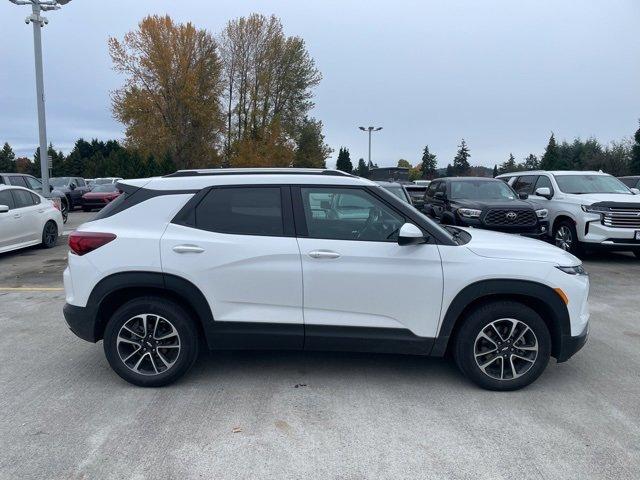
pixel 72 187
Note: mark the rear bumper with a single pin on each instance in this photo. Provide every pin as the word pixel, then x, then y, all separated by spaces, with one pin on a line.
pixel 82 321
pixel 571 345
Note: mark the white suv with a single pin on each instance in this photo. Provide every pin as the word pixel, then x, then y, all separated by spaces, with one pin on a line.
pixel 313 260
pixel 585 208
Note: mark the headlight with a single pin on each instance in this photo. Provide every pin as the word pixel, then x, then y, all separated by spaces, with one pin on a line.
pixel 469 212
pixel 594 209
pixel 577 270
pixel 542 213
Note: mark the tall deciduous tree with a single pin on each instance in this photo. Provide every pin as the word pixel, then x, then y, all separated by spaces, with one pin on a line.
pixel 268 80
pixel 170 102
pixel 429 164
pixel 461 160
pixel 7 159
pixel 404 163
pixel 344 160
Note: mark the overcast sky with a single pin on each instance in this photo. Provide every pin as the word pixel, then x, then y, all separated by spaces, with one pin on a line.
pixel 501 74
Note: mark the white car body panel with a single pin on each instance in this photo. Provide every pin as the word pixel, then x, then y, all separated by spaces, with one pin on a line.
pixel 372 284
pixel 23 227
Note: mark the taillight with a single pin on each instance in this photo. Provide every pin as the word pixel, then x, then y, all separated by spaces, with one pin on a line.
pixel 85 242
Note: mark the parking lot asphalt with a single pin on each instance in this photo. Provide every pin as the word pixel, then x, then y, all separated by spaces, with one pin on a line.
pixel 65 415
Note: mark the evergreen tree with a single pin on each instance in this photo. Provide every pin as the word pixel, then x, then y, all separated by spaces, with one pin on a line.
pixel 311 151
pixel 550 159
pixel 429 164
pixel 495 171
pixel 450 171
pixel 362 170
pixel 509 165
pixel 344 160
pixel 634 162
pixel 461 161
pixel 7 159
pixel 531 163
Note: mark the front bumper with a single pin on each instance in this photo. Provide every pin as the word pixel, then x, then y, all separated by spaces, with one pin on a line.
pixel 595 233
pixel 82 321
pixel 571 345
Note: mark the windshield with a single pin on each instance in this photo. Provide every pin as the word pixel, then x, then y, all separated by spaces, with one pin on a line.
pixel 105 188
pixel 59 181
pixel 397 191
pixel 581 184
pixel 481 190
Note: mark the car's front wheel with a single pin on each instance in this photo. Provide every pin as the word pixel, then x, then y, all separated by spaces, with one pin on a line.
pixel 151 342
pixel 503 345
pixel 565 237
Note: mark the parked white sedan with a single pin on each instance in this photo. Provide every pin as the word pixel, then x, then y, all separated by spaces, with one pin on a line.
pixel 27 219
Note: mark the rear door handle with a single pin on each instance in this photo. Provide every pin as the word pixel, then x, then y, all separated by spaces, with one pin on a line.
pixel 323 254
pixel 188 249
pixel 16 215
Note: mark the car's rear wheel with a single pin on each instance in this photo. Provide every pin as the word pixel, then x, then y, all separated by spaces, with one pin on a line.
pixel 49 234
pixel 566 237
pixel 636 252
pixel 151 342
pixel 503 346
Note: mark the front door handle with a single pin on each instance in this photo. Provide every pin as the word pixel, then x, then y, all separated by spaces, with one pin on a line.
pixel 16 215
pixel 323 254
pixel 188 249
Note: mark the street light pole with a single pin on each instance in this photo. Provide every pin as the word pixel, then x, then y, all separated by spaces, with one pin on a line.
pixel 38 21
pixel 370 129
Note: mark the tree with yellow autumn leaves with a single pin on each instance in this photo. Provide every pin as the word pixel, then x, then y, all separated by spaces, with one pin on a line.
pixel 240 99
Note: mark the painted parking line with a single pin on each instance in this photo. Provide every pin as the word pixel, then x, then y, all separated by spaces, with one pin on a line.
pixel 31 289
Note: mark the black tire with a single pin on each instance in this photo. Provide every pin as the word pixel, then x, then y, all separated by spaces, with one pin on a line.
pixel 566 238
pixel 171 313
pixel 64 205
pixel 49 234
pixel 469 346
pixel 636 252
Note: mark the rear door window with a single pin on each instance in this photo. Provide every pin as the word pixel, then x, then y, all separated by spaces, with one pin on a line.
pixel 17 181
pixel 242 211
pixel 525 184
pixel 7 199
pixel 22 198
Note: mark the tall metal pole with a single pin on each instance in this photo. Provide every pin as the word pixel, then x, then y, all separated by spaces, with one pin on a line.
pixel 370 129
pixel 37 22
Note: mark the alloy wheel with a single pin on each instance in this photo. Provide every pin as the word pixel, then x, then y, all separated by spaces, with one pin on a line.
pixel 506 349
pixel 50 234
pixel 148 344
pixel 564 238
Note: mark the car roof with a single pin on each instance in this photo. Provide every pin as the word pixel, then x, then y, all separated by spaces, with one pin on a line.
pixel 466 179
pixel 197 179
pixel 552 172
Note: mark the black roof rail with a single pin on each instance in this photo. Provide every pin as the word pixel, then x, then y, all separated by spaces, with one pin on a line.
pixel 249 171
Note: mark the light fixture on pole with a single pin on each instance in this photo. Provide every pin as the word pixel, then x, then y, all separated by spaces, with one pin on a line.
pixel 370 129
pixel 38 21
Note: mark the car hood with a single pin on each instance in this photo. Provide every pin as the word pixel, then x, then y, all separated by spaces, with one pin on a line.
pixel 486 243
pixel 480 204
pixel 590 198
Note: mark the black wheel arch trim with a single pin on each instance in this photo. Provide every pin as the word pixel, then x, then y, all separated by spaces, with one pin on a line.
pixel 538 296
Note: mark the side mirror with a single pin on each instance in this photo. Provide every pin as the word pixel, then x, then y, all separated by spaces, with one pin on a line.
pixel 410 235
pixel 544 192
pixel 635 191
pixel 72 186
pixel 4 208
pixel 523 196
pixel 439 196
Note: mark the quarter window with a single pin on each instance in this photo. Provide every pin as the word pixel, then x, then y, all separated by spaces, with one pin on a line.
pixel 242 211
pixel 349 214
